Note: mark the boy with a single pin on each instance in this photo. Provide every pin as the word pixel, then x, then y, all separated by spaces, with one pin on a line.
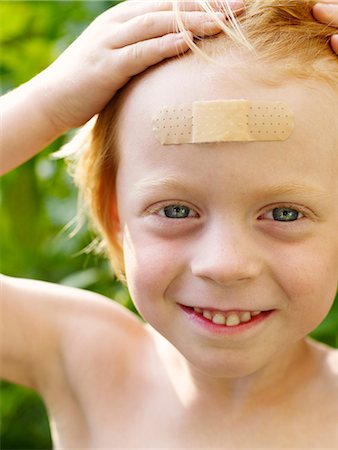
pixel 192 253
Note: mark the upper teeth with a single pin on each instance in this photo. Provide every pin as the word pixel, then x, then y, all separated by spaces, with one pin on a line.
pixel 229 319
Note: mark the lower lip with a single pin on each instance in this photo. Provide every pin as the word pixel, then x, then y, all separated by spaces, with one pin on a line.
pixel 215 328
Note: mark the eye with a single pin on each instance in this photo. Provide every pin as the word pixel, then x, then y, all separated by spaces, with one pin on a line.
pixel 284 214
pixel 176 212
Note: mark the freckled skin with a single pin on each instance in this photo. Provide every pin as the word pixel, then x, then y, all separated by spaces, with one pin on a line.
pixel 226 257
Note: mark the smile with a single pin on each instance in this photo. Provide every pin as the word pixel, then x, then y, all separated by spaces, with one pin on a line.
pixel 229 319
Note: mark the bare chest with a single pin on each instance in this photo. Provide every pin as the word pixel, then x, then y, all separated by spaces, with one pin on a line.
pixel 146 413
pixel 133 414
pixel 130 401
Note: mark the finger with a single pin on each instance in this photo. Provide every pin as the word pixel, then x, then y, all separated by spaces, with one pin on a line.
pixel 155 24
pixel 132 8
pixel 134 59
pixel 334 43
pixel 326 13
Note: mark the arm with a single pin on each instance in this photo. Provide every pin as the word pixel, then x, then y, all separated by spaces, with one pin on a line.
pixel 25 126
pixel 29 320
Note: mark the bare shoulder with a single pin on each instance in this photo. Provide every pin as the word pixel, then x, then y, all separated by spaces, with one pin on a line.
pixel 97 333
pixel 98 340
pixel 101 326
pixel 326 358
pixel 324 380
pixel 320 394
pixel 331 362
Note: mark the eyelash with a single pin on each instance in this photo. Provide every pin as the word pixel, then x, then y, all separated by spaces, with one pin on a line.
pixel 156 210
pixel 268 210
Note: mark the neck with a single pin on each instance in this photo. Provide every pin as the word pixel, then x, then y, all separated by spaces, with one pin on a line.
pixel 269 385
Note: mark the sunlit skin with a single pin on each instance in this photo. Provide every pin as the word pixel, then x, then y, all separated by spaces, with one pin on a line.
pixel 229 252
pixel 231 226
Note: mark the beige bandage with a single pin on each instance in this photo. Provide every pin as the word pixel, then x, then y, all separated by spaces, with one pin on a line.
pixel 223 121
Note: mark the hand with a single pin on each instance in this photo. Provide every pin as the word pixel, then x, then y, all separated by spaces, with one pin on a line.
pixel 122 42
pixel 327 12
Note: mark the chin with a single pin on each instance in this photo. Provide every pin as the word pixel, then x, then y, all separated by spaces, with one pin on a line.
pixel 225 364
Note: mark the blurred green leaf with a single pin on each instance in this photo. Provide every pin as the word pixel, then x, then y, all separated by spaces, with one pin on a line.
pixel 24 421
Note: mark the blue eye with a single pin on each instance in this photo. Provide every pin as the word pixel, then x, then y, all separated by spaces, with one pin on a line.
pixel 176 211
pixel 285 214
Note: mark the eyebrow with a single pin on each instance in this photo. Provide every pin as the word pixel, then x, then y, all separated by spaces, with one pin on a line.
pixel 177 183
pixel 168 182
pixel 296 188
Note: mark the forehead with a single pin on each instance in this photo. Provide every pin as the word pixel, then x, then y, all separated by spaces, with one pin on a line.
pixel 311 147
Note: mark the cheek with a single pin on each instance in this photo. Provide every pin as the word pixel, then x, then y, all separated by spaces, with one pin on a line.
pixel 308 275
pixel 151 264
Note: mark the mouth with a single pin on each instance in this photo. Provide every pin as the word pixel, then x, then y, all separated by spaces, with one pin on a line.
pixel 231 320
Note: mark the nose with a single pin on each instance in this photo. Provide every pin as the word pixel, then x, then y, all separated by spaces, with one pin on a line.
pixel 226 254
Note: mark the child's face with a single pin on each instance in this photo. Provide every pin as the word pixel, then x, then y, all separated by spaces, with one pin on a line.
pixel 227 250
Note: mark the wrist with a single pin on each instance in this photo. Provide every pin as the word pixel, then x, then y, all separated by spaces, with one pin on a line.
pixel 26 108
pixel 46 98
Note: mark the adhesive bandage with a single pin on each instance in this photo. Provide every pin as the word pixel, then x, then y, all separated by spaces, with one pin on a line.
pixel 223 121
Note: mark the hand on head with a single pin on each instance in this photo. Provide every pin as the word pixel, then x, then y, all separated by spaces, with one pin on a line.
pixel 122 42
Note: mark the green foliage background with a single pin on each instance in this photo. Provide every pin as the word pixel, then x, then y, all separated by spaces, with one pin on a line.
pixel 38 199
